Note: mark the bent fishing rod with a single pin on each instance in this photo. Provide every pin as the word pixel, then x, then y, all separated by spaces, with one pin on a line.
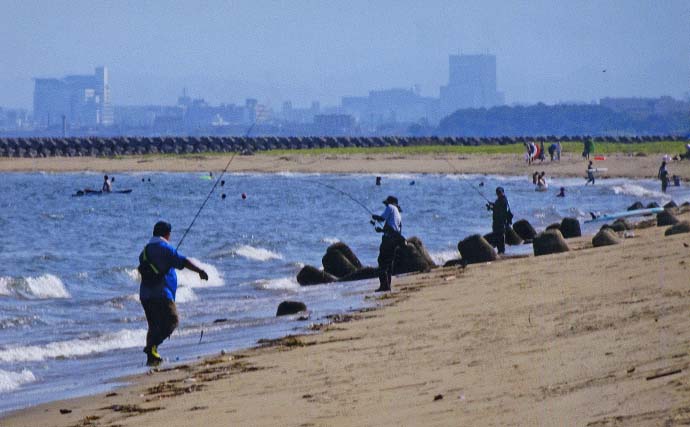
pixel 218 180
pixel 468 183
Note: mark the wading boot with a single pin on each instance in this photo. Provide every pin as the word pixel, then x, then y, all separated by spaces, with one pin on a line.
pixel 152 356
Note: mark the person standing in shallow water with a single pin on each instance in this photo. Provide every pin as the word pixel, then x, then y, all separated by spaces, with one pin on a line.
pixel 157 264
pixel 590 173
pixel 390 242
pixel 663 176
pixel 502 218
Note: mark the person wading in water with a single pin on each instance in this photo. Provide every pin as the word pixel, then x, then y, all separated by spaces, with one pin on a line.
pixel 502 218
pixel 157 264
pixel 390 242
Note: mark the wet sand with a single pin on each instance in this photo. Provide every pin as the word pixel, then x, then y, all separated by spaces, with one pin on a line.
pixel 571 164
pixel 595 336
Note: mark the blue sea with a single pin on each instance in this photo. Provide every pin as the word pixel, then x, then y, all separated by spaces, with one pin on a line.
pixel 70 319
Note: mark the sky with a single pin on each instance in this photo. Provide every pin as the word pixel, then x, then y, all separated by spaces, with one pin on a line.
pixel 302 50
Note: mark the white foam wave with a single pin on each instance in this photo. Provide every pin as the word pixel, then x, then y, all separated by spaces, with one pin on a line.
pixel 283 283
pixel 188 278
pixel 637 191
pixel 330 240
pixel 185 294
pixel 125 338
pixel 41 287
pixel 12 380
pixel 441 257
pixel 256 254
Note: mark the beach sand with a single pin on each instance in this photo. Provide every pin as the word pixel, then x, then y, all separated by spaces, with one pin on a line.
pixel 571 164
pixel 570 339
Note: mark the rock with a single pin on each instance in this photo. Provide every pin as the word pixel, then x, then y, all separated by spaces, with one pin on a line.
pixel 570 227
pixel 454 262
pixel 290 307
pixel 665 218
pixel 635 206
pixel 475 249
pixel 549 242
pixel 621 224
pixel 681 227
pixel 310 275
pixel 412 257
pixel 361 274
pixel 685 206
pixel 670 205
pixel 524 229
pixel 605 237
pixel 554 226
pixel 652 205
pixel 512 238
pixel 340 261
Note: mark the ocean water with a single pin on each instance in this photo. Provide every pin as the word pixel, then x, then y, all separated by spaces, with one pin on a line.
pixel 70 319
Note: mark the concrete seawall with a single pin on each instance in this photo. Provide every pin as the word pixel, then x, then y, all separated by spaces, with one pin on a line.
pixel 123 146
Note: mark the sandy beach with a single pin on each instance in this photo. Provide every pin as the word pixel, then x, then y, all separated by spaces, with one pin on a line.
pixel 571 164
pixel 595 336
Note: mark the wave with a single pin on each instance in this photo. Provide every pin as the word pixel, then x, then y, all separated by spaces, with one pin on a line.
pixel 12 380
pixel 126 338
pixel 15 322
pixel 188 278
pixel 637 191
pixel 441 257
pixel 330 240
pixel 282 283
pixel 256 254
pixel 41 287
pixel 185 294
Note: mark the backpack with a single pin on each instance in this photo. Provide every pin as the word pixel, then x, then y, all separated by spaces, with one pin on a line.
pixel 148 271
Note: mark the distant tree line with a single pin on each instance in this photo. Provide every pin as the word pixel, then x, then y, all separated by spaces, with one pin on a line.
pixel 543 119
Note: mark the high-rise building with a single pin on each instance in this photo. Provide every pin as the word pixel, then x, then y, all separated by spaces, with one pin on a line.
pixel 471 83
pixel 83 100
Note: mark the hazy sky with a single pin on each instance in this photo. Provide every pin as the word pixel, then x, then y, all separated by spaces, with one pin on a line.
pixel 225 51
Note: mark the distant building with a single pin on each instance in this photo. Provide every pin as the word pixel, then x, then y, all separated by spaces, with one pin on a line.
pixel 471 83
pixel 391 106
pixel 334 124
pixel 83 100
pixel 643 107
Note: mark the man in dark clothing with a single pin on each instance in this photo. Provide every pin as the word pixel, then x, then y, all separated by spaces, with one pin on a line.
pixel 157 264
pixel 663 176
pixel 390 242
pixel 502 217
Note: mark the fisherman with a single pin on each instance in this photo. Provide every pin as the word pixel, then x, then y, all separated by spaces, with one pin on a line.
pixel 502 218
pixel 390 242
pixel 157 264
pixel 590 173
pixel 107 185
pixel 663 176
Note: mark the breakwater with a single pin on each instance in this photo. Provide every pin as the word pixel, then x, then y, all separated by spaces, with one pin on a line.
pixel 123 146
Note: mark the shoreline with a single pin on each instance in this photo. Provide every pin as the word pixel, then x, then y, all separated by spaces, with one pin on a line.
pixel 389 365
pixel 571 165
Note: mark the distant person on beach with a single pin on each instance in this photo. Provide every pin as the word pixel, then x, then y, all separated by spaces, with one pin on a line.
pixel 502 218
pixel 542 155
pixel 390 242
pixel 535 178
pixel 588 148
pixel 663 176
pixel 590 173
pixel 157 264
pixel 561 193
pixel 107 185
pixel 552 151
pixel 558 151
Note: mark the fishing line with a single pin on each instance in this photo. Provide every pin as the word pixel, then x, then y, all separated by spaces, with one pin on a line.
pixel 467 182
pixel 218 180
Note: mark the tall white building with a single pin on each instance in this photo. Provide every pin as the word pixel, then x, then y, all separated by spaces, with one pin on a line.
pixel 471 83
pixel 84 100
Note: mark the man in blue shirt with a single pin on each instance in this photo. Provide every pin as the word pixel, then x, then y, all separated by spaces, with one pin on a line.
pixel 157 264
pixel 390 242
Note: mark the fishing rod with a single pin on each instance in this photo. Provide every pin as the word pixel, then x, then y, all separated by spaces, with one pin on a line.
pixel 468 183
pixel 218 180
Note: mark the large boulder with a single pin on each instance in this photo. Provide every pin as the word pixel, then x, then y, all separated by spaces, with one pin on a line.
pixel 511 238
pixel 621 224
pixel 652 205
pixel 475 249
pixel 310 275
pixel 570 227
pixel 605 237
pixel 681 227
pixel 361 274
pixel 340 261
pixel 290 307
pixel 665 218
pixel 554 226
pixel 635 206
pixel 670 205
pixel 549 242
pixel 412 256
pixel 524 229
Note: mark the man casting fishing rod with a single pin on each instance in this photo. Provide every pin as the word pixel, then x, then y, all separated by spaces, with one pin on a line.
pixel 502 218
pixel 390 242
pixel 157 264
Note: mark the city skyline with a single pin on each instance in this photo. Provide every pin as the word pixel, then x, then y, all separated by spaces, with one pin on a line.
pixel 303 51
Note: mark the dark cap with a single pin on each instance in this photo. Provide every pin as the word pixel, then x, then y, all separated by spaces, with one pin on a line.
pixel 391 200
pixel 161 228
pixel 500 190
